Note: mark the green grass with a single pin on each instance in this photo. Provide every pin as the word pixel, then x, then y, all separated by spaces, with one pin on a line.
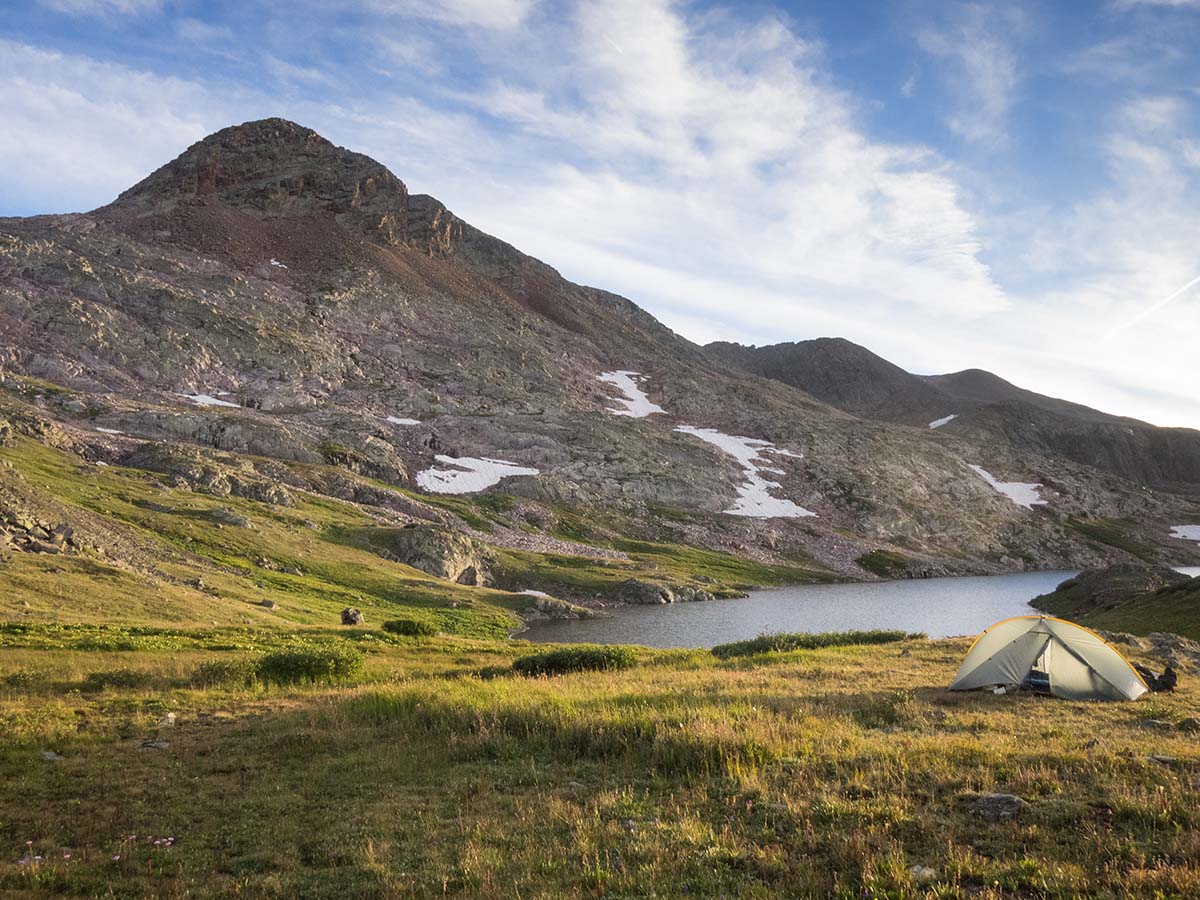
pixel 784 642
pixel 1112 533
pixel 884 563
pixel 721 574
pixel 824 774
pixel 1175 609
pixel 581 658
pixel 410 627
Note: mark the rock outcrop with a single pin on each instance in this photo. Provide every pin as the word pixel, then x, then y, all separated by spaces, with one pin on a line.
pixel 646 593
pixel 1104 588
pixel 437 550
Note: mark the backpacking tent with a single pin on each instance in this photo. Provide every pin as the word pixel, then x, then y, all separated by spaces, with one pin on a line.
pixel 1076 663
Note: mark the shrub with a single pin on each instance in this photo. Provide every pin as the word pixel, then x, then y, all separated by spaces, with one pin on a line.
pixel 783 642
pixel 116 678
pixel 26 678
pixel 576 659
pixel 232 672
pixel 410 627
pixel 311 663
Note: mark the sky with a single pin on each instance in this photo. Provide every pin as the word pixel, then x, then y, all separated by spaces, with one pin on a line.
pixel 1006 185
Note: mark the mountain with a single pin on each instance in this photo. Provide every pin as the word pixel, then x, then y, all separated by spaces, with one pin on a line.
pixel 854 379
pixel 277 320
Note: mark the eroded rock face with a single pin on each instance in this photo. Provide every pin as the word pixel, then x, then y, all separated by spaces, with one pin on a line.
pixel 439 551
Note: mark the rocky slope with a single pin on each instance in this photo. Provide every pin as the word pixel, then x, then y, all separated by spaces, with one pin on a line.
pixel 270 316
pixel 978 403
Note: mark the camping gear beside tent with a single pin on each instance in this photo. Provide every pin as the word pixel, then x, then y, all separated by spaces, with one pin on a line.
pixel 1051 654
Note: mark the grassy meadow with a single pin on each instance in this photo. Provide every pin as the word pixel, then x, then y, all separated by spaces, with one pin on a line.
pixel 435 770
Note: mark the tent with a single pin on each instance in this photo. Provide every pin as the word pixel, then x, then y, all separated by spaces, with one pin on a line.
pixel 1071 661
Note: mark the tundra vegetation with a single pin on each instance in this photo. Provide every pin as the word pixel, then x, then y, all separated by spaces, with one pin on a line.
pixel 179 762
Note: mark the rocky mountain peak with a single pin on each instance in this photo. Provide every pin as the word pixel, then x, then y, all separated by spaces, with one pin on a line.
pixel 276 168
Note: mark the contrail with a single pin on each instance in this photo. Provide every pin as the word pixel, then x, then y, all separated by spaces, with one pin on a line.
pixel 1153 308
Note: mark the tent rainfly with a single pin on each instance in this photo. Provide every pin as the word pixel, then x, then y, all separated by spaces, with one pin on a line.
pixel 1076 663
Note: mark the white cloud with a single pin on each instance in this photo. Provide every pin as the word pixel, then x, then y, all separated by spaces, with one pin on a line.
pixel 500 14
pixel 286 71
pixel 102 8
pixel 77 132
pixel 978 52
pixel 707 169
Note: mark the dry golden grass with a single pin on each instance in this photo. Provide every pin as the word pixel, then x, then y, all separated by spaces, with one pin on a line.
pixel 811 774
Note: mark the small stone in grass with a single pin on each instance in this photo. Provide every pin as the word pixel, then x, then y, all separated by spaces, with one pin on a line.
pixel 921 874
pixel 995 807
pixel 51 756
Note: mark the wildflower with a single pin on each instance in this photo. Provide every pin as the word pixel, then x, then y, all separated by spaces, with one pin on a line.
pixel 66 856
pixel 117 858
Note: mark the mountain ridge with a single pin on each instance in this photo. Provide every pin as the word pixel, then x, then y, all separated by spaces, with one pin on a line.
pixel 316 303
pixel 858 381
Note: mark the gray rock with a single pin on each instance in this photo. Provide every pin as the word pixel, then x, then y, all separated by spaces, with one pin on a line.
pixel 996 807
pixel 436 550
pixel 227 516
pixel 644 593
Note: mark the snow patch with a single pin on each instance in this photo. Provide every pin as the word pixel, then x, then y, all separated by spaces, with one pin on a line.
pixel 637 404
pixel 1019 492
pixel 1186 532
pixel 277 263
pixel 468 474
pixel 754 496
pixel 533 593
pixel 396 420
pixel 208 400
pixel 109 430
pixel 945 420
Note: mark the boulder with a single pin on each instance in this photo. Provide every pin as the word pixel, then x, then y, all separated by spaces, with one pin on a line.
pixel 435 549
pixel 645 593
pixel 352 616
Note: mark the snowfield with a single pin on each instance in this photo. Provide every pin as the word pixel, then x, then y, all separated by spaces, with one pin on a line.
pixel 209 400
pixel 109 430
pixel 1186 532
pixel 945 420
pixel 1019 492
pixel 754 495
pixel 636 404
pixel 396 420
pixel 468 474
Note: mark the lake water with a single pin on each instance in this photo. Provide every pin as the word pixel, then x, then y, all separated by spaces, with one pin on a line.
pixel 940 607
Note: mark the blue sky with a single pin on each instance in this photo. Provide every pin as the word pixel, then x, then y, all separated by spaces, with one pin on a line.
pixel 1008 185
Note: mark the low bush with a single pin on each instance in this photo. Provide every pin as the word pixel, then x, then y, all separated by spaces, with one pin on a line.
pixel 783 642
pixel 576 659
pixel 410 627
pixel 25 678
pixel 128 679
pixel 313 663
pixel 226 672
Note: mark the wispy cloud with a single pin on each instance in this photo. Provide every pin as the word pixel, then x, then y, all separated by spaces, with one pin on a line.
pixel 977 49
pixel 101 8
pixel 706 164
pixel 500 14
